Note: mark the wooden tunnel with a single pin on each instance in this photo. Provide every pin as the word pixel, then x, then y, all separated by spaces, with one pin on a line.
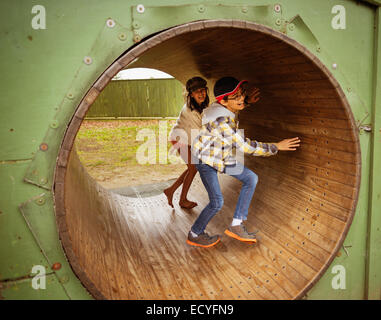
pixel 134 247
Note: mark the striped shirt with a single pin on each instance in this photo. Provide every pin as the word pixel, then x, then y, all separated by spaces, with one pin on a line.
pixel 220 142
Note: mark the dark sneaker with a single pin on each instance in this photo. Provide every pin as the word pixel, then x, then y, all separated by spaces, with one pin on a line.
pixel 203 240
pixel 240 233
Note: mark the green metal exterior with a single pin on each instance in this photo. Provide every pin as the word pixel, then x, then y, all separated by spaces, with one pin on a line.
pixel 373 279
pixel 44 77
pixel 151 98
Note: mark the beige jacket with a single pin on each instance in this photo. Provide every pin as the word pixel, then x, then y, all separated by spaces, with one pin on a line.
pixel 188 126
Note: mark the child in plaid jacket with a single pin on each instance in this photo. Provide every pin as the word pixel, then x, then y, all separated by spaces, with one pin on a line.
pixel 213 152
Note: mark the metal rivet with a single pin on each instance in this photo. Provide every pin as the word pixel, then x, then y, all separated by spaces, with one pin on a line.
pixel 54 124
pixel 122 36
pixel 201 8
pixel 244 9
pixel 43 146
pixel 136 25
pixel 87 60
pixel 140 8
pixel 137 38
pixel 43 180
pixel 40 201
pixel 334 65
pixel 291 26
pixel 110 23
pixel 278 22
pixel 56 266
pixel 70 95
pixel 277 8
pixel 318 49
pixel 349 89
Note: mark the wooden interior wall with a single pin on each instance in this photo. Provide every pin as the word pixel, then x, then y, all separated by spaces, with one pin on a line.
pixel 134 248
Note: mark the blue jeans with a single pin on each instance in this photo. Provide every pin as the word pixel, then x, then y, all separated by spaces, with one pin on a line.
pixel 210 180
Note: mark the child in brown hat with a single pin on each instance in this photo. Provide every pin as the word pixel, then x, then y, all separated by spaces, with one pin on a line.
pixel 188 120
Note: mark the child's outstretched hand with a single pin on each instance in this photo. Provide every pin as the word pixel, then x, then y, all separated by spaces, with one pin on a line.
pixel 253 95
pixel 288 144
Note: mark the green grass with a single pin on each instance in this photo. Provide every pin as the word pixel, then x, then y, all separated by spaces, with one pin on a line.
pixel 107 148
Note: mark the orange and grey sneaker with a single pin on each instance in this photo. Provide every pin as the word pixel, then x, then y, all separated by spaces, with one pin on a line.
pixel 203 240
pixel 240 233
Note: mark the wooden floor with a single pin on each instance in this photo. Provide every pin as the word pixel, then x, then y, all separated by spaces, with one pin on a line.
pixel 137 250
pixel 134 247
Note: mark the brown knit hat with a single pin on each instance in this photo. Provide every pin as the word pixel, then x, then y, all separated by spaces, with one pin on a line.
pixel 195 83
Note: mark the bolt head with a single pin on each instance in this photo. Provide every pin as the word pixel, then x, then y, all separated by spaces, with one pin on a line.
pixel 110 23
pixel 140 8
pixel 43 146
pixel 54 124
pixel 56 266
pixel 40 201
pixel 122 36
pixel 87 60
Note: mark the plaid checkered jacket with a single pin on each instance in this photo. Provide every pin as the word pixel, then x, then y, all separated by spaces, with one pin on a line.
pixel 220 140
